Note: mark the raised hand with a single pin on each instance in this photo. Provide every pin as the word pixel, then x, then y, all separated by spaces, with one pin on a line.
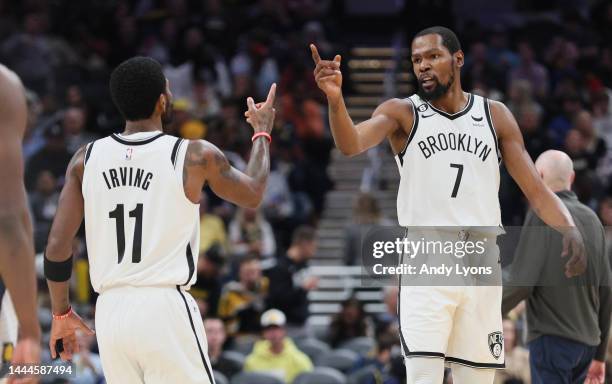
pixel 261 115
pixel 327 74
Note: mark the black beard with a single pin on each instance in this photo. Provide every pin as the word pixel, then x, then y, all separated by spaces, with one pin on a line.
pixel 167 116
pixel 438 91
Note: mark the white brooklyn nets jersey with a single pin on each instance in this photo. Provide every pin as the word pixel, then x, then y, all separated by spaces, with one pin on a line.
pixel 141 229
pixel 449 169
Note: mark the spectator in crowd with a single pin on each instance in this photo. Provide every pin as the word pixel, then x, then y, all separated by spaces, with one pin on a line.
pixel 43 204
pixel 562 122
pixel 250 232
pixel 595 146
pixel 53 157
pixel 530 70
pixel 387 321
pixel 276 353
pixel 605 215
pixel 290 280
pixel 73 122
pixel 350 322
pixel 478 68
pixel 516 359
pixel 520 96
pixel 366 215
pixel 207 288
pixel 242 302
pixel 536 138
pixel 381 364
pixel 569 318
pixel 28 52
pixel 215 336
pixel 33 138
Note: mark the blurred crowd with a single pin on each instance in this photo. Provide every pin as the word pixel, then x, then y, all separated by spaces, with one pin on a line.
pixel 554 73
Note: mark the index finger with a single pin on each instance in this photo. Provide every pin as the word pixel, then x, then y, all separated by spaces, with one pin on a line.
pixel 271 94
pixel 315 54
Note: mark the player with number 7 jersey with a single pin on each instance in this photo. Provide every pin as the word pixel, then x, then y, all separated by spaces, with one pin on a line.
pixel 139 194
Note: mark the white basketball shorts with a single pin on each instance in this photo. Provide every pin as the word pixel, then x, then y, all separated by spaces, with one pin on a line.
pixel 460 324
pixel 151 335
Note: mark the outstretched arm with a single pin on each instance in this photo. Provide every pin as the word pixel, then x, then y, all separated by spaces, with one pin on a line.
pixel 353 139
pixel 543 201
pixel 204 162
pixel 16 244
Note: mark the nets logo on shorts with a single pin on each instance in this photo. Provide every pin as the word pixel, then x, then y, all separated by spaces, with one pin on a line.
pixel 496 342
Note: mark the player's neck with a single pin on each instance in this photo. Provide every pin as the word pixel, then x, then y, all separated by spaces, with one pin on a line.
pixel 148 125
pixel 452 101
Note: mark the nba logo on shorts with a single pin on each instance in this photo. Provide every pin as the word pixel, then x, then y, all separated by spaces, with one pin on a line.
pixel 496 341
pixel 128 153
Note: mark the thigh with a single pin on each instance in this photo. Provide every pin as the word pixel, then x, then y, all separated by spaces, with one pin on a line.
pixel 426 316
pixel 549 363
pixel 582 367
pixel 476 339
pixel 179 350
pixel 118 362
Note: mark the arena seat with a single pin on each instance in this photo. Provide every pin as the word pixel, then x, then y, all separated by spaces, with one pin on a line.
pixel 255 378
pixel 340 359
pixel 237 359
pixel 362 376
pixel 361 345
pixel 312 347
pixel 321 375
pixel 220 378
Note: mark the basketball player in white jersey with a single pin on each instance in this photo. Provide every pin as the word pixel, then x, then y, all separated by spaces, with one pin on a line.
pixel 19 328
pixel 447 143
pixel 139 193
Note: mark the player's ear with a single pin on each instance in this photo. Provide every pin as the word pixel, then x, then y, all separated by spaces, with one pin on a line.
pixel 459 58
pixel 162 103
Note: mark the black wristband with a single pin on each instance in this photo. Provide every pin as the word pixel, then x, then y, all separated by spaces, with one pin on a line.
pixel 58 271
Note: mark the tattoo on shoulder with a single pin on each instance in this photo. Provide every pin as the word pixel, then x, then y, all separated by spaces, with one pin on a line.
pixel 196 155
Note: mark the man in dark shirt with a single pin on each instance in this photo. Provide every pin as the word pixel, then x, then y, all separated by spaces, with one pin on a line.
pixel 289 279
pixel 568 319
pixel 215 336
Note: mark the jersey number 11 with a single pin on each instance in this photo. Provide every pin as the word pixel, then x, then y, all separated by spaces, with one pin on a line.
pixel 118 215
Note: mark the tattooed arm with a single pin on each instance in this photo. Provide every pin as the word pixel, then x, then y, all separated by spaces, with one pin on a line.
pixel 205 163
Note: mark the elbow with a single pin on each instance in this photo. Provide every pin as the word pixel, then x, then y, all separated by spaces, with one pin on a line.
pixel 255 198
pixel 14 231
pixel 56 250
pixel 348 151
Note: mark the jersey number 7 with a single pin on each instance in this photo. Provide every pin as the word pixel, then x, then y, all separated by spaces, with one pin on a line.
pixel 458 179
pixel 118 215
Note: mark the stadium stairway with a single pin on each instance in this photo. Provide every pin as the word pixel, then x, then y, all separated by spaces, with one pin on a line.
pixel 376 73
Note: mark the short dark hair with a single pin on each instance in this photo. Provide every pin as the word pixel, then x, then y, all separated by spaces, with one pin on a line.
pixel 303 233
pixel 449 39
pixel 135 86
pixel 249 257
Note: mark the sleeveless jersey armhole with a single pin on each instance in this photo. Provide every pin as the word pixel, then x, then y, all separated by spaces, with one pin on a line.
pixel 178 153
pixel 415 123
pixel 492 127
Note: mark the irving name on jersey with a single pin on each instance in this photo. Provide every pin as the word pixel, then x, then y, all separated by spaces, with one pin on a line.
pixel 127 177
